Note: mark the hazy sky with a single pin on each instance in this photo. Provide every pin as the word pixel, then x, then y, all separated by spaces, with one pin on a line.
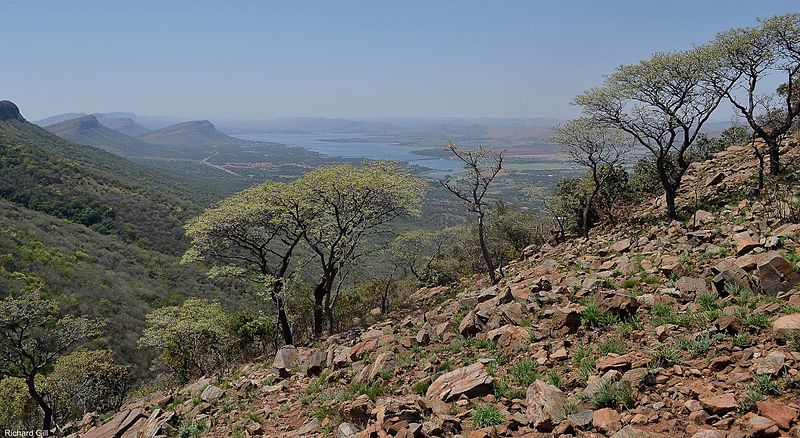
pixel 265 59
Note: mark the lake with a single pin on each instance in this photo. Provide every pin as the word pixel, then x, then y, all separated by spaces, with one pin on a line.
pixel 356 148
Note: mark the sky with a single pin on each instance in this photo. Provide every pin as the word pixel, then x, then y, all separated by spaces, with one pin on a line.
pixel 356 59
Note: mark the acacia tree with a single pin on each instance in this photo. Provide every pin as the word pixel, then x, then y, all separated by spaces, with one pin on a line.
pixel 663 103
pixel 252 236
pixel 747 58
pixel 32 337
pixel 595 146
pixel 342 206
pixel 482 165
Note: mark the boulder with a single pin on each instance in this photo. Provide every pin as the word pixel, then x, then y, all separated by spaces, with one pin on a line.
pixel 358 410
pixel 744 243
pixel 772 364
pixel 781 414
pixel 346 430
pixel 285 360
pixel 211 393
pixel 719 404
pixel 470 381
pixel 787 324
pixel 425 334
pixel 545 405
pixel 621 246
pixel 470 325
pixel 775 274
pixel 606 420
pixel 316 362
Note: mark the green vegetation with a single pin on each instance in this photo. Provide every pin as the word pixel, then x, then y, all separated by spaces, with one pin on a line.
pixel 485 415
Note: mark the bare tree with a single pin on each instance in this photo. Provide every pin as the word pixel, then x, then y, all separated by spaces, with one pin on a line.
pixel 748 58
pixel 482 166
pixel 594 145
pixel 663 103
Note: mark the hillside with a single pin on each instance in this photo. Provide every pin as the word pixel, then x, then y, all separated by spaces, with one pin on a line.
pixel 95 275
pixel 648 329
pixel 125 125
pixel 111 195
pixel 198 132
pixel 88 131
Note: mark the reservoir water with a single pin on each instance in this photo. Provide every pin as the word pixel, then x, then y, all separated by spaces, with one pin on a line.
pixel 350 145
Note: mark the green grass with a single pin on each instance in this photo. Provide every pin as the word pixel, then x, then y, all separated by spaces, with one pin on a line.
pixel 583 360
pixel 523 373
pixel 707 301
pixel 612 345
pixel 741 339
pixel 663 313
pixel 486 415
pixel 665 355
pixel 613 395
pixel 594 317
pixel 421 387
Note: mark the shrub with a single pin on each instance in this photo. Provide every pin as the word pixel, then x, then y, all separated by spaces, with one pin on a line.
pixel 485 415
pixel 195 338
pixel 85 381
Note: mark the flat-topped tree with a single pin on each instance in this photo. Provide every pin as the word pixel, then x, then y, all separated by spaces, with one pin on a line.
pixel 32 337
pixel 482 165
pixel 343 206
pixel 594 145
pixel 749 57
pixel 252 236
pixel 663 103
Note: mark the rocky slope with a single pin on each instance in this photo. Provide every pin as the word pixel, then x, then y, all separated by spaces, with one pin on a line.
pixel 647 329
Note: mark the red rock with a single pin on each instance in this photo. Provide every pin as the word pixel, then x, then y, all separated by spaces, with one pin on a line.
pixel 787 323
pixel 606 420
pixel 745 243
pixel 470 381
pixel 621 246
pixel 781 414
pixel 545 405
pixel 719 404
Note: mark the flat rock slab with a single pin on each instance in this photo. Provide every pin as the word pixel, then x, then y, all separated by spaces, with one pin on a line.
pixel 470 381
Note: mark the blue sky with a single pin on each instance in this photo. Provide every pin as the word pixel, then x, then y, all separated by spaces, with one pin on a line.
pixel 264 59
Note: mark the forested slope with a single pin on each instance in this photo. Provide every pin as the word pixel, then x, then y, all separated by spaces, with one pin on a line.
pixel 89 186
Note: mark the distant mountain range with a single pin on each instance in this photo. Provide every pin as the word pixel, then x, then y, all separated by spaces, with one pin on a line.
pixel 513 130
pixel 198 132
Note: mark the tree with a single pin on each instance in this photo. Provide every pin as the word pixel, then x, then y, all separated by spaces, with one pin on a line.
pixel 251 235
pixel 195 338
pixel 414 252
pixel 592 145
pixel 747 58
pixel 32 337
pixel 663 103
pixel 482 165
pixel 341 207
pixel 84 381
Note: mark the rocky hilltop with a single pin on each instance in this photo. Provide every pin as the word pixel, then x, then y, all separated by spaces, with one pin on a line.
pixel 9 111
pixel 647 329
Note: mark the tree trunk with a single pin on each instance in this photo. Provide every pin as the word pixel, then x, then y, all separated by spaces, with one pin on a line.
pixel 286 330
pixel 319 297
pixel 46 409
pixel 672 212
pixel 586 209
pixel 322 295
pixel 774 157
pixel 760 155
pixel 485 251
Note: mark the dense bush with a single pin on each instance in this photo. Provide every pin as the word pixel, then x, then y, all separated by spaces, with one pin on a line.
pixel 85 381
